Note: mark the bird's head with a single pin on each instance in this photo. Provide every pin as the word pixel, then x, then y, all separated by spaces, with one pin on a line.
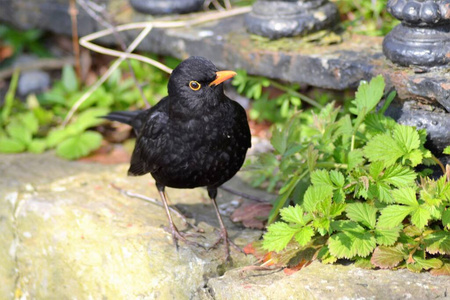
pixel 196 82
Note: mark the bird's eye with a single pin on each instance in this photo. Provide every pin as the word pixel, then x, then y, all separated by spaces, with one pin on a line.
pixel 194 85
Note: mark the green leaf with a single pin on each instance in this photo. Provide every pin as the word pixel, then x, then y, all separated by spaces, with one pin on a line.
pixel 447 150
pixel 420 217
pixel 337 178
pixel 388 257
pixel 383 148
pixel 438 242
pixel 279 139
pixel 405 196
pixel 37 146
pixel 30 122
pixel 18 132
pixel 8 145
pixel 368 95
pixel 293 214
pixel 315 195
pixel 321 177
pixel 427 264
pixel 278 235
pixel 90 118
pixel 349 244
pixel 355 158
pixel 325 256
pixel 362 212
pixel 393 215
pixel 69 79
pixel 387 237
pixel 444 270
pixel 446 218
pixel 79 145
pixel 399 176
pixel 407 137
pixel 304 235
pixel 311 158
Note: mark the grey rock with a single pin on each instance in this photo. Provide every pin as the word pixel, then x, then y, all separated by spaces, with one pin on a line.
pixel 33 82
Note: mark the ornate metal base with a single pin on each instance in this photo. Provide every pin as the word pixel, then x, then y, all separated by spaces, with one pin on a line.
pixel 277 19
pixel 423 37
pixel 165 7
pixel 420 46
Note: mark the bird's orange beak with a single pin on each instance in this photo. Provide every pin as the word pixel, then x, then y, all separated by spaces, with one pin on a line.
pixel 222 76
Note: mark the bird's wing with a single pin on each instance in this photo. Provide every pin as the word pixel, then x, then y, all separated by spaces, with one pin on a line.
pixel 149 143
pixel 241 119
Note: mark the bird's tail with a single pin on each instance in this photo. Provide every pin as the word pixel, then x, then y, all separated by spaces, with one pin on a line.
pixel 131 118
pixel 126 117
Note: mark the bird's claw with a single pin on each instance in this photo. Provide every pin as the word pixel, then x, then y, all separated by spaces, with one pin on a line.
pixel 180 236
pixel 227 243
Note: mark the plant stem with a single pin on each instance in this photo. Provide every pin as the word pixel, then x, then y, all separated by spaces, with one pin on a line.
pixel 295 93
pixel 331 165
pixel 436 160
pixel 73 12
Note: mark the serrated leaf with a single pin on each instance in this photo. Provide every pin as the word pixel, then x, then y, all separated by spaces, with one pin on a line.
pixel 420 217
pixel 376 168
pixel 346 225
pixel 399 176
pixel 349 244
pixel 304 235
pixel 293 214
pixel 433 263
pixel 337 178
pixel 90 118
pixel 393 215
pixel 407 137
pixel 388 257
pixel 447 151
pixel 325 256
pixel 444 270
pixel 322 225
pixel 336 209
pixel 311 158
pixel 321 177
pixel 405 196
pixel 79 145
pixel 355 158
pixel 387 237
pixel 446 218
pixel 278 235
pixel 362 212
pixel 368 95
pixel 383 148
pixel 8 145
pixel 438 242
pixel 315 195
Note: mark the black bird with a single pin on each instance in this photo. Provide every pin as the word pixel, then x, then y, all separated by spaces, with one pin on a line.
pixel 194 137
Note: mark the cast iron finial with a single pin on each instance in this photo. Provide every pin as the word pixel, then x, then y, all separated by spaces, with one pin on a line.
pixel 423 37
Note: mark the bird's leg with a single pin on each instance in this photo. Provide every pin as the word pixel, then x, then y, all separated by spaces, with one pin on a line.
pixel 176 235
pixel 212 192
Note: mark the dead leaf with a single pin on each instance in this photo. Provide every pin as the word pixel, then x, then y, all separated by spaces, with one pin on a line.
pixel 252 215
pixel 108 154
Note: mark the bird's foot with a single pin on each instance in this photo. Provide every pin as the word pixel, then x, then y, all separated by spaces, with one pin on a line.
pixel 181 236
pixel 227 243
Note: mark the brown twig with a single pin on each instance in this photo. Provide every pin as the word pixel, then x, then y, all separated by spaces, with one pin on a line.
pixel 94 10
pixel 73 12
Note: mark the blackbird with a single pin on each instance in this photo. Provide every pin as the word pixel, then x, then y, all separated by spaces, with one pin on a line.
pixel 194 137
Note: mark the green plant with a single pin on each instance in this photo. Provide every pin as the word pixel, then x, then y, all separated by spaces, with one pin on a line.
pixel 277 108
pixel 366 17
pixel 34 126
pixel 357 195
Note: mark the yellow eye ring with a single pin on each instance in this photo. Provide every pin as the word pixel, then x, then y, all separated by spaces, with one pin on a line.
pixel 194 85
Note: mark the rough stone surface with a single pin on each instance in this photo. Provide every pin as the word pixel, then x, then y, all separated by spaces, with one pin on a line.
pixel 66 233
pixel 319 281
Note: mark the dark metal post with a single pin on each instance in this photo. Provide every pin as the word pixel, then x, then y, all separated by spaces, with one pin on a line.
pixel 423 37
pixel 285 18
